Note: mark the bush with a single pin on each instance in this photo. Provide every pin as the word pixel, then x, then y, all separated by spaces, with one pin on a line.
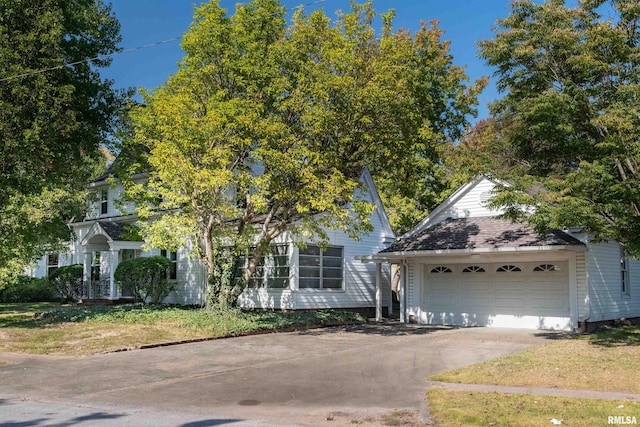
pixel 67 281
pixel 27 289
pixel 145 278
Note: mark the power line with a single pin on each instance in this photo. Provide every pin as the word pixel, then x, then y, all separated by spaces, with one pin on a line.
pixel 95 58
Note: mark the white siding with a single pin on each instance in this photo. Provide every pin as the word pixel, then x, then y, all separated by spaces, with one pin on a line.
pixel 582 286
pixel 191 278
pixel 114 206
pixel 607 301
pixel 359 277
pixel 469 203
pixel 413 291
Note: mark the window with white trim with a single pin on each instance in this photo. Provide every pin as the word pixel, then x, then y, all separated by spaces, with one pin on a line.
pixel 321 269
pixel 441 269
pixel 272 271
pixel 104 202
pixel 53 262
pixel 625 283
pixel 473 269
pixel 173 257
pixel 508 269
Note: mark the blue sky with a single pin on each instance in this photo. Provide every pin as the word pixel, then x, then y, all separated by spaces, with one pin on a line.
pixel 146 22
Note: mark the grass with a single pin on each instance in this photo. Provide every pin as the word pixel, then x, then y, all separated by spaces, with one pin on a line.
pixel 53 329
pixel 607 360
pixel 461 408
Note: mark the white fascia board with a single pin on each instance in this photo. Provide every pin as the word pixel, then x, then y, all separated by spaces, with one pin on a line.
pixel 122 218
pixel 373 190
pixel 448 202
pixel 461 252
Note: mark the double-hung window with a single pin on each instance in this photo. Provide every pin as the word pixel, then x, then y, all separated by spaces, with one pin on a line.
pixel 173 257
pixel 321 269
pixel 625 283
pixel 104 202
pixel 53 262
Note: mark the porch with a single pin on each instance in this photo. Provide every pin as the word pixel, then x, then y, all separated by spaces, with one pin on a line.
pixel 103 248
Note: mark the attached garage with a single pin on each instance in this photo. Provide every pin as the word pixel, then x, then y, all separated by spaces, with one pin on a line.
pixel 505 294
pixel 488 271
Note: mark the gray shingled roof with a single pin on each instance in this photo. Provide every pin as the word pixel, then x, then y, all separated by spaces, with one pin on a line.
pixel 115 230
pixel 480 233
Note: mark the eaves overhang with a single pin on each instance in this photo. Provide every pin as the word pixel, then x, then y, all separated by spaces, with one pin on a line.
pixel 394 256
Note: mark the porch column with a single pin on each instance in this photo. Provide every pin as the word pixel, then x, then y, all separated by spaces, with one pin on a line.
pixel 86 273
pixel 378 292
pixel 401 291
pixel 113 289
pixel 390 307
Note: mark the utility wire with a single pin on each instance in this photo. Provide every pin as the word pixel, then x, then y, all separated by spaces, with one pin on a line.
pixel 69 64
pixel 95 58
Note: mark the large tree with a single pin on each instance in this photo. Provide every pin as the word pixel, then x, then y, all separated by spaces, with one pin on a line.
pixel 266 129
pixel 55 111
pixel 571 113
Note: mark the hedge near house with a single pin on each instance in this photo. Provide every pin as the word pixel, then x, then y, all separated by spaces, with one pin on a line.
pixel 145 278
pixel 27 289
pixel 67 281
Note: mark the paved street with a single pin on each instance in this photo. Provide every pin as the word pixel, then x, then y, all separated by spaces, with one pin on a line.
pixel 303 378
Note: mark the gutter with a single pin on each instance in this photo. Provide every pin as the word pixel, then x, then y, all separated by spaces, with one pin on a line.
pixel 387 256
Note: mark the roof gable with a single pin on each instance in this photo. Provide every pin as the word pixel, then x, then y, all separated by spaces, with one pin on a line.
pixel 468 201
pixel 367 179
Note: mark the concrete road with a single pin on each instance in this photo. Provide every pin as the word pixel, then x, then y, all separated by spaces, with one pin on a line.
pixel 335 375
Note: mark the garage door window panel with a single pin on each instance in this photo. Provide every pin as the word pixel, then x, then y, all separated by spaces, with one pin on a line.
pixel 546 268
pixel 508 269
pixel 473 269
pixel 441 269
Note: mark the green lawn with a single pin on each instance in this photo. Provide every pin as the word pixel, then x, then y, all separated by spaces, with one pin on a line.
pixel 49 328
pixel 460 408
pixel 607 360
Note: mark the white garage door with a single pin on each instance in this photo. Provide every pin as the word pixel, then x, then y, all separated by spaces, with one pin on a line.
pixel 518 295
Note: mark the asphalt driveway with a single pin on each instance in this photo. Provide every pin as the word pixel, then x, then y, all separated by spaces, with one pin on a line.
pixel 312 377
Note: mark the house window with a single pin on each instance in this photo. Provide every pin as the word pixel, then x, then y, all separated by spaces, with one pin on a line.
pixel 95 266
pixel 272 270
pixel 104 202
pixel 546 267
pixel 508 269
pixel 173 257
pixel 473 269
pixel 53 262
pixel 321 269
pixel 441 270
pixel 624 274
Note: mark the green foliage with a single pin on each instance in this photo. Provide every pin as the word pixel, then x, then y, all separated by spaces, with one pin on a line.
pixel 227 320
pixel 145 278
pixel 266 129
pixel 570 113
pixel 67 281
pixel 53 122
pixel 27 289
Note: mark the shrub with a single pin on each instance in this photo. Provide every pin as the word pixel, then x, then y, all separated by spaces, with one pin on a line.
pixel 67 281
pixel 27 289
pixel 145 278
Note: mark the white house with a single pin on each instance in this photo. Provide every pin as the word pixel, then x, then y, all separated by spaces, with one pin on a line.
pixel 291 278
pixel 464 266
